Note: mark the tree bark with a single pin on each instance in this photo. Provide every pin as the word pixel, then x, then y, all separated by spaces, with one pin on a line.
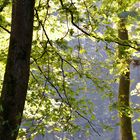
pixel 17 69
pixel 124 89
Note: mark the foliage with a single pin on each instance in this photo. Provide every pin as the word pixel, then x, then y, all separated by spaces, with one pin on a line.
pixel 63 65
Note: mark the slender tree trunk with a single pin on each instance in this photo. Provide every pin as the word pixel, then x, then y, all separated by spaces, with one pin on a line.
pixel 124 86
pixel 17 69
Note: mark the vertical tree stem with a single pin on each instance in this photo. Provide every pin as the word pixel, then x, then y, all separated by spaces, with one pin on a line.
pixel 17 69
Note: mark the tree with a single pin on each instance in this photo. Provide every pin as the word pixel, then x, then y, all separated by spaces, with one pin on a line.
pixel 17 69
pixel 124 83
pixel 124 88
pixel 60 72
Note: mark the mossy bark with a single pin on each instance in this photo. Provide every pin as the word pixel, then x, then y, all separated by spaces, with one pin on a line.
pixel 17 69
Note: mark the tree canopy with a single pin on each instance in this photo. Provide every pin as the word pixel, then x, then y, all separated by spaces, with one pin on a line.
pixel 76 54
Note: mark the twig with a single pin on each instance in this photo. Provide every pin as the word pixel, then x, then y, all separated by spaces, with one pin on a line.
pixel 5 29
pixel 120 42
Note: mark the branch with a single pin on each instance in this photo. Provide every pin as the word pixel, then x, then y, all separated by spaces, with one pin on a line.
pixel 90 123
pixel 63 81
pixel 119 42
pixel 47 79
pixel 67 101
pixel 52 44
pixel 57 91
pixel 5 29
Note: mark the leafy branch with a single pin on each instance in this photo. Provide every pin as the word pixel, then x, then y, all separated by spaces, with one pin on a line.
pixel 118 41
pixel 67 102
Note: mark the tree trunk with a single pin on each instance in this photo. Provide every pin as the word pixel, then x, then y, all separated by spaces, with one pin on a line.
pixel 17 69
pixel 124 86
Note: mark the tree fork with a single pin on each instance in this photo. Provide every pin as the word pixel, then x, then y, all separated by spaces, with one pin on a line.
pixel 16 76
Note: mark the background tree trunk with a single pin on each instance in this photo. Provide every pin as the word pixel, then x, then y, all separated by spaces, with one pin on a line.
pixel 17 69
pixel 124 87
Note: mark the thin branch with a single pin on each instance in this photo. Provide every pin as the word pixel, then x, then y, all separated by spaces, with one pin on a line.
pixel 90 123
pixel 119 42
pixel 43 27
pixel 52 44
pixel 63 81
pixel 57 91
pixel 5 29
pixel 67 102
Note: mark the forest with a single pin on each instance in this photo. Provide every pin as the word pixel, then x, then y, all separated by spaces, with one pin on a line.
pixel 70 69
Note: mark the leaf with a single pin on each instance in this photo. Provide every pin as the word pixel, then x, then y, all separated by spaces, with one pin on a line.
pixel 82 50
pixel 71 31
